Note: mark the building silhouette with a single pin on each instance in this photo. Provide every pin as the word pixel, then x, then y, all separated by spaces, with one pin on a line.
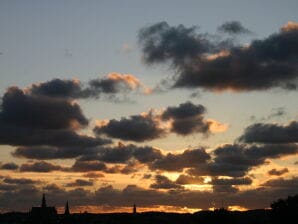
pixel 43 214
pixel 134 210
pixel 66 211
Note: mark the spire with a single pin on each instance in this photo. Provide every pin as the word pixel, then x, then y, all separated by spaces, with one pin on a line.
pixel 66 211
pixel 43 202
pixel 134 209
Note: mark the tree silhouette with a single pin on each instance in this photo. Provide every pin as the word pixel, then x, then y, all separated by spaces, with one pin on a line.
pixel 285 209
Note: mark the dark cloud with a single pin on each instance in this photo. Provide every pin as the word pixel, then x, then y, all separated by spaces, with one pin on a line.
pixel 277 112
pixel 187 118
pixel 233 181
pixel 110 85
pixel 86 166
pixel 210 64
pixel 58 88
pixel 49 152
pixel 187 179
pixel 282 183
pixel 9 166
pixel 275 172
pixel 251 199
pixel 137 128
pixel 123 153
pixel 162 43
pixel 7 187
pixel 93 175
pixel 233 27
pixel 224 189
pixel 236 160
pixel 40 167
pixel 30 120
pixel 80 183
pixel 21 181
pixel 177 162
pixel 271 133
pixel 24 110
pixel 163 182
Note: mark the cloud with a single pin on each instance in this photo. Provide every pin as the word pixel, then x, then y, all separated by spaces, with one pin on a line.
pixel 282 183
pixel 233 181
pixel 107 86
pixel 252 199
pixel 40 167
pixel 27 119
pixel 123 153
pixel 21 181
pixel 233 27
pixel 263 64
pixel 49 152
pixel 71 88
pixel 94 175
pixel 236 160
pixel 9 166
pixel 275 172
pixel 187 179
pixel 290 26
pixel 163 182
pixel 45 112
pixel 177 162
pixel 86 166
pixel 115 83
pixel 137 128
pixel 271 133
pixel 80 183
pixel 187 118
pixel 224 189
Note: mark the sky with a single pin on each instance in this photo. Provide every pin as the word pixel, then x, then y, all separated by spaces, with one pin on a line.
pixel 172 105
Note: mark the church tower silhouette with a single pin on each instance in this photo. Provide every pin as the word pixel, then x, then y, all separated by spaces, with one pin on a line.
pixel 66 211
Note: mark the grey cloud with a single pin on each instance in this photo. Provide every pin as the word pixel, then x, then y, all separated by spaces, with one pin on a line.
pixel 184 119
pixel 80 183
pixel 9 166
pixel 224 189
pixel 282 183
pixel 22 181
pixel 110 85
pixel 233 181
pixel 31 120
pixel 163 182
pixel 187 179
pixel 271 133
pixel 201 62
pixel 86 166
pixel 23 110
pixel 179 45
pixel 40 167
pixel 49 152
pixel 233 27
pixel 275 172
pixel 177 162
pixel 236 160
pixel 135 128
pixel 123 153
pixel 187 118
pixel 251 199
pixel 58 88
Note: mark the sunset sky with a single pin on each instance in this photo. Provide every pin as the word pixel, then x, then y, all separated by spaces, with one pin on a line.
pixel 172 105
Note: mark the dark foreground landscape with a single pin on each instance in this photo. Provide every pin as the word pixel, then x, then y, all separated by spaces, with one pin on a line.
pixel 282 211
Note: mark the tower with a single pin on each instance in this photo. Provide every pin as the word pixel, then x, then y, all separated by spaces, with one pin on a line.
pixel 134 209
pixel 43 202
pixel 66 211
